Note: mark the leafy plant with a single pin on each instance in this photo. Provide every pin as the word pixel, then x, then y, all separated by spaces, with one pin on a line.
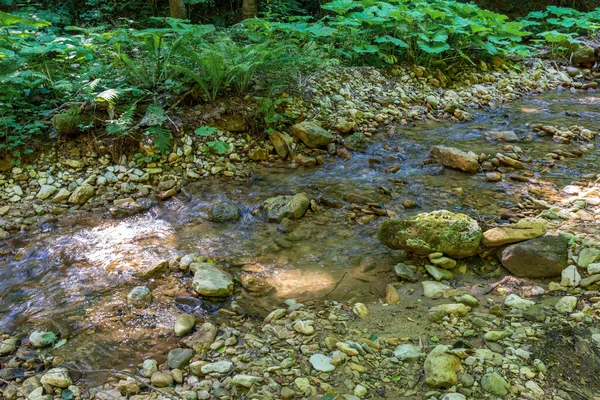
pixel 216 146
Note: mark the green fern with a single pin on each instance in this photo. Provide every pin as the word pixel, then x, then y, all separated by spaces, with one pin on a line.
pixel 162 137
pixel 123 124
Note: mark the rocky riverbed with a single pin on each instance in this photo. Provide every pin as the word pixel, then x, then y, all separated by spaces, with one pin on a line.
pixel 440 262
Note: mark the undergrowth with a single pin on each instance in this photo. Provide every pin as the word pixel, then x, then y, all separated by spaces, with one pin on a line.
pixel 61 80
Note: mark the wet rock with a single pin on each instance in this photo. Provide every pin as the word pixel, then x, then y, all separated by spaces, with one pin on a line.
pixel 139 296
pixel 493 177
pixel 566 304
pixel 433 289
pixel 82 194
pixel 441 368
pixel 57 377
pixel 536 258
pixel 280 207
pixel 522 230
pixel 437 313
pixel 41 339
pixel 501 136
pixel 220 367
pixel 149 367
pixel 211 281
pixel 8 346
pixel 311 134
pixel 161 379
pixel 153 270
pixel 179 358
pixel 223 212
pixel 456 235
pixel 454 158
pixel 321 363
pixel 570 276
pixel 201 340
pixel 245 380
pixel 494 384
pixel 408 351
pixel 356 142
pixel 509 161
pixel 184 323
pixel 283 144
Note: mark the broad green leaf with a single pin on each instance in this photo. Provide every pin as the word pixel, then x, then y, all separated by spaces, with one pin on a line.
pixel 433 48
pixel 205 130
pixel 390 39
pixel 340 6
pixel 219 147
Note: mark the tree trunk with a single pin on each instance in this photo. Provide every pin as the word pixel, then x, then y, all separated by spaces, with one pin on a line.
pixel 177 8
pixel 249 9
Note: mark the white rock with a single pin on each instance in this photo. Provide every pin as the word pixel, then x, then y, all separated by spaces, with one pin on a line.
pixel 514 301
pixel 245 380
pixel 534 388
pixel 593 268
pixel 57 377
pixel 433 289
pixel 321 363
pixel 408 351
pixel 570 276
pixel 360 390
pixel 454 396
pixel 566 304
pixel 220 367
pixel 46 191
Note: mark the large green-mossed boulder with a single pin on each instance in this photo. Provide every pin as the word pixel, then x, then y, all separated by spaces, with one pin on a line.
pixel 455 235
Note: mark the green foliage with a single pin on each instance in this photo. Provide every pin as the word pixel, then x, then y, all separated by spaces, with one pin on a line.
pixel 273 117
pixel 215 146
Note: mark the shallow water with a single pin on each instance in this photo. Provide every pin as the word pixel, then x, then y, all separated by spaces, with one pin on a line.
pixel 73 276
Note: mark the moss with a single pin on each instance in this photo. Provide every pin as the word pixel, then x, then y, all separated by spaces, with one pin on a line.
pixel 456 235
pixel 70 122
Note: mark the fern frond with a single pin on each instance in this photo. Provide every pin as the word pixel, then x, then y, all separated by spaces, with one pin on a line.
pixel 109 96
pixel 162 137
pixel 124 123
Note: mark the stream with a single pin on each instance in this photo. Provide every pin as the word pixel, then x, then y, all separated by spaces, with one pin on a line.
pixel 72 276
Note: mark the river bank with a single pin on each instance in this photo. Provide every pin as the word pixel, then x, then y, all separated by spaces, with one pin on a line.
pixel 366 321
pixel 351 103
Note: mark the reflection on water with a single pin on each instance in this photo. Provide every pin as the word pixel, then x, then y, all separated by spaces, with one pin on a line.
pixel 74 276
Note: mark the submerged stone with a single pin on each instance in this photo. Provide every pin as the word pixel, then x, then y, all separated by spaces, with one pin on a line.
pixel 454 158
pixel 280 207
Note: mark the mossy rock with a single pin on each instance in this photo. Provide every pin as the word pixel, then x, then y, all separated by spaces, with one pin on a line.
pixel 70 122
pixel 455 235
